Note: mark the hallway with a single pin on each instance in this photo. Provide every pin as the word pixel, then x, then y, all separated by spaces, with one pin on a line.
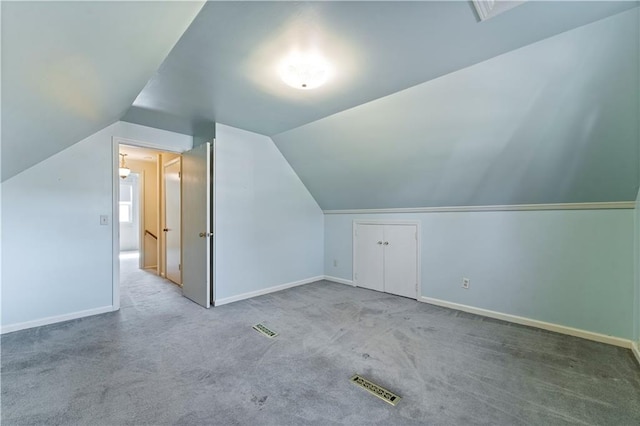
pixel 141 287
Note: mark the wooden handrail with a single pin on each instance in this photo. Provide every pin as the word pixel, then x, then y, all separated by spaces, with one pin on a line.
pixel 146 231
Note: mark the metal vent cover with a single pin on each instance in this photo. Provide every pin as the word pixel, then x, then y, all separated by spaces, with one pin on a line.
pixel 260 328
pixel 376 390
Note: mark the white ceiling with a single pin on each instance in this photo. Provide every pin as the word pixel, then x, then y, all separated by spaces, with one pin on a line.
pixel 224 67
pixel 70 69
pixel 138 154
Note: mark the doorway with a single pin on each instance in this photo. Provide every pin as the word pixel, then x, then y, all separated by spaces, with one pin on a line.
pixel 183 239
pixel 148 202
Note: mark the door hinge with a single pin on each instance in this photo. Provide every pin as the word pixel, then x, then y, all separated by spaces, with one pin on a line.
pixel 179 175
pixel 179 267
pixel 416 236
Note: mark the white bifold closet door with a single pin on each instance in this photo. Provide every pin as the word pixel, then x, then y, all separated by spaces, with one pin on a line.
pixel 400 260
pixel 386 258
pixel 369 260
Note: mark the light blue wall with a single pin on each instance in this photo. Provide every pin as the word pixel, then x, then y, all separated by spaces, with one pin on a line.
pixel 57 258
pixel 552 122
pixel 569 267
pixel 269 229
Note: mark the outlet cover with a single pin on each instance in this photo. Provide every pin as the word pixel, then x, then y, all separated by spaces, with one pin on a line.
pixel 466 282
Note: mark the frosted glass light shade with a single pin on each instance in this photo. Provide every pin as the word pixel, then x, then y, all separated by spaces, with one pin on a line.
pixel 305 71
pixel 124 170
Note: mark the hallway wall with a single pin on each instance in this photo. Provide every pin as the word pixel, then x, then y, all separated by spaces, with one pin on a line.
pixel 149 172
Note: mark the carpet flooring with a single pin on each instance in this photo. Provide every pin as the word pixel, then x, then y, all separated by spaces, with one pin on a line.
pixel 163 360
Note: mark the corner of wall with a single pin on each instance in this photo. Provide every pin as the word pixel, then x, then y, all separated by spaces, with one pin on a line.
pixel 203 132
pixel 636 316
pixel 265 216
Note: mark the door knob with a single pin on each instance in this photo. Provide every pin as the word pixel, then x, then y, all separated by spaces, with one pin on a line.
pixel 379 242
pixel 206 234
pixel 202 235
pixel 165 230
pixel 386 243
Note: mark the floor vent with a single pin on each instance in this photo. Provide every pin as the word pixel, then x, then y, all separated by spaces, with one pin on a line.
pixel 264 330
pixel 378 391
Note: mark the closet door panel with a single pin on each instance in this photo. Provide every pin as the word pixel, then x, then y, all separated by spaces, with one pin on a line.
pixel 368 259
pixel 400 260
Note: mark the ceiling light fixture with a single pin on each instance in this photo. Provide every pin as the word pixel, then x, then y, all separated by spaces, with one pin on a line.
pixel 305 70
pixel 124 171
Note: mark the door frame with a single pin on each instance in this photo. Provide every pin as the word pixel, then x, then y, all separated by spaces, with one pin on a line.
pixel 213 203
pixel 115 211
pixel 141 231
pixel 416 223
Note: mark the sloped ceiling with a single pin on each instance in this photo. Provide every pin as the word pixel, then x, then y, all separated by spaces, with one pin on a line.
pixel 224 67
pixel 72 68
pixel 413 118
pixel 552 122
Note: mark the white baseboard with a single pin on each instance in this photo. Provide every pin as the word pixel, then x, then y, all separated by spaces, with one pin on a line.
pixel 576 332
pixel 338 280
pixel 52 320
pixel 635 348
pixel 268 290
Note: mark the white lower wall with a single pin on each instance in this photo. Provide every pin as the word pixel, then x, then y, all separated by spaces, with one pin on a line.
pixel 56 257
pixel 569 267
pixel 269 229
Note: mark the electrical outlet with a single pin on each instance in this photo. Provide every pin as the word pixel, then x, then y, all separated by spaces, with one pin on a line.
pixel 335 263
pixel 465 282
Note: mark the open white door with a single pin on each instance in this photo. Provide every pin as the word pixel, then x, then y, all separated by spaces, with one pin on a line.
pixel 196 224
pixel 172 221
